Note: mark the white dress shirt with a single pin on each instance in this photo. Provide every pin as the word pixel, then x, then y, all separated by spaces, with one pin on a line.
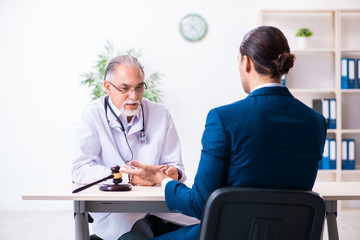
pixel 100 144
pixel 267 85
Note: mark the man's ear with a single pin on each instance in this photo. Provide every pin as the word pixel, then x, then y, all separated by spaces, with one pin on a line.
pixel 107 87
pixel 246 64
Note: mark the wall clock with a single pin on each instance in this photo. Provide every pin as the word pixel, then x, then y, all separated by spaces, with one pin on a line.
pixel 193 27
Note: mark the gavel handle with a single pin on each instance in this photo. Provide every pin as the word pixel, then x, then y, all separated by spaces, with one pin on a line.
pixel 91 184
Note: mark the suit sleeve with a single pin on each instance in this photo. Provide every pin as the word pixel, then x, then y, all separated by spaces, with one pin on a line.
pixel 211 173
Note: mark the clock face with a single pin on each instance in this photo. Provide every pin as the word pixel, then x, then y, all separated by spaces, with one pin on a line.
pixel 193 27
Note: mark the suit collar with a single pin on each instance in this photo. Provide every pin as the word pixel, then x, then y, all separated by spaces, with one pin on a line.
pixel 270 91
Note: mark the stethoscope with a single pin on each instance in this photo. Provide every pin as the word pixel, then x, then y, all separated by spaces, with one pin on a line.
pixel 142 137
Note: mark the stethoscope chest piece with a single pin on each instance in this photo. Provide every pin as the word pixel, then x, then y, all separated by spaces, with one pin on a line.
pixel 142 137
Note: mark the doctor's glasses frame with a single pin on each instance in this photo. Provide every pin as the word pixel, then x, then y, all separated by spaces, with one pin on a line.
pixel 127 89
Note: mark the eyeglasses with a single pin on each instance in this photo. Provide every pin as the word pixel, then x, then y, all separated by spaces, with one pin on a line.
pixel 127 90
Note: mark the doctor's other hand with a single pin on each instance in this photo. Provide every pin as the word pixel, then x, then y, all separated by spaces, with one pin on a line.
pixel 150 173
pixel 170 171
pixel 135 180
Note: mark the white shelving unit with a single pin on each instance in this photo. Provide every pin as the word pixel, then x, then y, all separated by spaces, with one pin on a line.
pixel 316 73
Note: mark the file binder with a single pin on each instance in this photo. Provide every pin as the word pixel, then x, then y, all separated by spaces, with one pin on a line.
pixel 325 159
pixel 344 154
pixel 332 113
pixel 322 106
pixel 358 72
pixel 283 80
pixel 351 154
pixel 351 73
pixel 344 73
pixel 332 154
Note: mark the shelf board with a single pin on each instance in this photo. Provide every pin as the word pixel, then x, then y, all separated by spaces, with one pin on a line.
pixel 350 131
pixel 350 50
pixel 298 90
pixel 326 176
pixel 300 11
pixel 348 172
pixel 313 50
pixel 350 90
pixel 329 171
pixel 314 90
pixel 351 11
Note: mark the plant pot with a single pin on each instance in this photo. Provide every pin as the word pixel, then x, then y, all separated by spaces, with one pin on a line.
pixel 303 42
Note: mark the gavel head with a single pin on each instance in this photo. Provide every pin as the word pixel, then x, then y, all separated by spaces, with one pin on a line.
pixel 115 171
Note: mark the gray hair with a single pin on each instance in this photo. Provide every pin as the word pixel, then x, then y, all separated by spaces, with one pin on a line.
pixel 123 60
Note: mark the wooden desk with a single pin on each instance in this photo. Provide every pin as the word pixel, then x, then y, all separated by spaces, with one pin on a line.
pixel 139 199
pixel 331 192
pixel 151 199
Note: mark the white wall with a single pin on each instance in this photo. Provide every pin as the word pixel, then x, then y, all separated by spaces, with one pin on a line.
pixel 46 45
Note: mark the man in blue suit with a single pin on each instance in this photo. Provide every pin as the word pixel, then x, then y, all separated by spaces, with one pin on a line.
pixel 269 139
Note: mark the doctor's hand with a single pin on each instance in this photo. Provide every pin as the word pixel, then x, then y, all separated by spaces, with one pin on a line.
pixel 170 171
pixel 135 180
pixel 149 173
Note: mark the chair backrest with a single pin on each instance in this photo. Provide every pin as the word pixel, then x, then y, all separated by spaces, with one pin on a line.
pixel 267 214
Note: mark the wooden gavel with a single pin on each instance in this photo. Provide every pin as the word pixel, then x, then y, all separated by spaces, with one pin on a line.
pixel 117 179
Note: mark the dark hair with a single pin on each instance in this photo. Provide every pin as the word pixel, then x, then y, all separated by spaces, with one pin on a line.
pixel 268 48
pixel 121 60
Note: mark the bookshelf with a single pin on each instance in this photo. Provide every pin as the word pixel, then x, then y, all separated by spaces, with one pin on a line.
pixel 316 73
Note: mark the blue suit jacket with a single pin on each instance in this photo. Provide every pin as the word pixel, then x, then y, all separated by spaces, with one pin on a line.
pixel 270 140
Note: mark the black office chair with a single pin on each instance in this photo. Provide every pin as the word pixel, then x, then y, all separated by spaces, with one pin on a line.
pixel 267 214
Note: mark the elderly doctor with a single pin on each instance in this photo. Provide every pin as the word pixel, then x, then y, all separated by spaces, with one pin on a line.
pixel 118 128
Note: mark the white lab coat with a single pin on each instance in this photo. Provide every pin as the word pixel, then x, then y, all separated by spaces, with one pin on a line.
pixel 100 144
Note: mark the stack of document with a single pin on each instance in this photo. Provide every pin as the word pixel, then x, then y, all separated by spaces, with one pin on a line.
pixel 327 107
pixel 328 160
pixel 350 74
pixel 348 154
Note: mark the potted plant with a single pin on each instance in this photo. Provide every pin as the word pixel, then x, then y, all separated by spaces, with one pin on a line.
pixel 303 37
pixel 95 78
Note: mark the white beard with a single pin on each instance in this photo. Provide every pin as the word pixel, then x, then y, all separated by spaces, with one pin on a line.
pixel 130 113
